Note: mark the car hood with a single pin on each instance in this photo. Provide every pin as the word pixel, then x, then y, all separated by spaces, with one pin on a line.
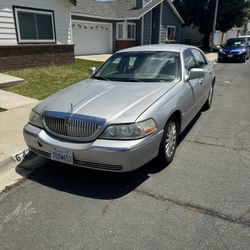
pixel 233 48
pixel 114 101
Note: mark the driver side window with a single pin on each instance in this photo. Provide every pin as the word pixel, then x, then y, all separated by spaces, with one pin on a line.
pixel 189 61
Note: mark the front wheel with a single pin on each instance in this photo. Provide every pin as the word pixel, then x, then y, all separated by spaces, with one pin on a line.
pixel 169 142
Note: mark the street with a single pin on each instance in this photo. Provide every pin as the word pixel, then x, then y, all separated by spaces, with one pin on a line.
pixel 200 201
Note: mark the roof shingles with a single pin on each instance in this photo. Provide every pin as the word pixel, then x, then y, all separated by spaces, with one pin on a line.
pixel 113 9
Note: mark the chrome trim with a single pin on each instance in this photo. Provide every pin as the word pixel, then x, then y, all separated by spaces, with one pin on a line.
pixel 72 126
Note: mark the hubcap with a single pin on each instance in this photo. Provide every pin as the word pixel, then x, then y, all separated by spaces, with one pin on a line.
pixel 170 139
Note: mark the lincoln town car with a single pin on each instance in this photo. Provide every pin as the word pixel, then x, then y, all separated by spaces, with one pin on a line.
pixel 130 111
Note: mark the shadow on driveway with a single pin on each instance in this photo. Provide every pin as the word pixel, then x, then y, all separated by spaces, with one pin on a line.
pixel 89 183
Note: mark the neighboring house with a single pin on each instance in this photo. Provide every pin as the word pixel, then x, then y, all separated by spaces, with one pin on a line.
pixel 191 35
pixel 35 33
pixel 107 26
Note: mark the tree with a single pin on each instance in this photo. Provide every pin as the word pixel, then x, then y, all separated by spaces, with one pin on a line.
pixel 201 14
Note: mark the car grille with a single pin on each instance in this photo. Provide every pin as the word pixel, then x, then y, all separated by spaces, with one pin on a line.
pixel 73 126
pixel 100 166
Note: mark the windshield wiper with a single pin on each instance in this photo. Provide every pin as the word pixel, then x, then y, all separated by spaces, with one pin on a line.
pixel 101 78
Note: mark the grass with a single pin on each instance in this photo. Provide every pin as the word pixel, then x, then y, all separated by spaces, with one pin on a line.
pixel 41 82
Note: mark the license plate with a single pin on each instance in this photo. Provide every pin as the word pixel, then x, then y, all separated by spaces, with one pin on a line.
pixel 62 155
pixel 230 56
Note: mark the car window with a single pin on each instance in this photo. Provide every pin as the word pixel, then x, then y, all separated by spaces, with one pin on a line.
pixel 199 58
pixel 151 66
pixel 235 42
pixel 189 61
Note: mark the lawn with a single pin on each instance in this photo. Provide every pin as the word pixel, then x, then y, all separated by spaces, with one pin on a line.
pixel 43 81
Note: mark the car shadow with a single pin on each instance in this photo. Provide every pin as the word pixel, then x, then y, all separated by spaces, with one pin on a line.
pixel 86 182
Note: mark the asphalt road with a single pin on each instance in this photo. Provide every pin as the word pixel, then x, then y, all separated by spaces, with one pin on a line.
pixel 200 201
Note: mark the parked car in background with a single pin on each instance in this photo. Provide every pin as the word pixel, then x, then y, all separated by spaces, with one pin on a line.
pixel 234 49
pixel 247 37
pixel 130 111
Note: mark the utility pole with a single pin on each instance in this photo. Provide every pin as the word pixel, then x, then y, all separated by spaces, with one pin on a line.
pixel 214 26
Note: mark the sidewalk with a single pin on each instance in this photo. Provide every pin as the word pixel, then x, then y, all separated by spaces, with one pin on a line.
pixel 212 57
pixel 12 121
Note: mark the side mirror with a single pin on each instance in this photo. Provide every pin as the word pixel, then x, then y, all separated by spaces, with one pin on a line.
pixel 195 73
pixel 91 71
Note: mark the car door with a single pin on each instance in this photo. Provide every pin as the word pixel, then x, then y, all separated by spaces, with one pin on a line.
pixel 193 89
pixel 205 83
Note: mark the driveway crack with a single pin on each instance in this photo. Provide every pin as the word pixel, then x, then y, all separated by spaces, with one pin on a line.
pixel 195 208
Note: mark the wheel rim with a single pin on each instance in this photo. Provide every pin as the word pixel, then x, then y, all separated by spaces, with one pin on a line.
pixel 170 139
pixel 210 98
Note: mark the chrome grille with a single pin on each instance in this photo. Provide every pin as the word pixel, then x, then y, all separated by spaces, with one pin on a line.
pixel 68 125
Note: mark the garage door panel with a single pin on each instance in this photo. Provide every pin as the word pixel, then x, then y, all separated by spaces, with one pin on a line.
pixel 92 38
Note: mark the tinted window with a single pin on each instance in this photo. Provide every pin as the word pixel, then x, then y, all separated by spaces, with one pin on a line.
pixel 189 60
pixel 235 42
pixel 199 58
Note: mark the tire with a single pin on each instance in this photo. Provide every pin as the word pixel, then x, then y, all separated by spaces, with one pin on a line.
pixel 244 58
pixel 169 142
pixel 209 100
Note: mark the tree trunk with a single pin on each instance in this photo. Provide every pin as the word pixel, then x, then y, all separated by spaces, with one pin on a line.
pixel 206 40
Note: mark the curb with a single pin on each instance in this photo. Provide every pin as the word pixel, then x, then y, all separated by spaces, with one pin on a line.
pixel 13 170
pixel 11 83
pixel 15 158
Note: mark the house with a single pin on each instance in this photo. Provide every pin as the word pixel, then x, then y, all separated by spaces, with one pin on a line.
pixel 107 26
pixel 35 33
pixel 45 32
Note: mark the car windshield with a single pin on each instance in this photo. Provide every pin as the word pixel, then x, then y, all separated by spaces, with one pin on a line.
pixel 140 66
pixel 235 42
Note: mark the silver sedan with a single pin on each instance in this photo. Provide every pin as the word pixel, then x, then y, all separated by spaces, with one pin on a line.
pixel 129 112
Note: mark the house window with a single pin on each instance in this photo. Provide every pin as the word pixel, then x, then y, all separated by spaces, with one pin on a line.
pixel 35 26
pixel 126 31
pixel 120 31
pixel 171 33
pixel 131 31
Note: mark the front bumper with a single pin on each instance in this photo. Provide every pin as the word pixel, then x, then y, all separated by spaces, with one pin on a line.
pixel 108 155
pixel 229 56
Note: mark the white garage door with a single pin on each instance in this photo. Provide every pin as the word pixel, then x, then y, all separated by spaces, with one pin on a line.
pixel 92 37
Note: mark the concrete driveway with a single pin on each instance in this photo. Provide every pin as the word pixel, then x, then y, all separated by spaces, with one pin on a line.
pixel 99 58
pixel 200 201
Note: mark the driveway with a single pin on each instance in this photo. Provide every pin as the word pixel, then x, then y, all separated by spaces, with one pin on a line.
pixel 98 58
pixel 200 201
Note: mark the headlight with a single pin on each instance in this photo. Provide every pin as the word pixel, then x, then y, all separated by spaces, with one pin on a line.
pixel 35 119
pixel 129 131
pixel 243 51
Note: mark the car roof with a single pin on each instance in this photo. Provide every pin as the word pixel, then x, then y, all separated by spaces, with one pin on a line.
pixel 158 47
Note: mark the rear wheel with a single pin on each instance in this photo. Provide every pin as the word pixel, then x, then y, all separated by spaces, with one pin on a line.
pixel 208 103
pixel 169 142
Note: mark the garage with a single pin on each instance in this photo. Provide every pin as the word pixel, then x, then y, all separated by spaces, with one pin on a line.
pixel 92 37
